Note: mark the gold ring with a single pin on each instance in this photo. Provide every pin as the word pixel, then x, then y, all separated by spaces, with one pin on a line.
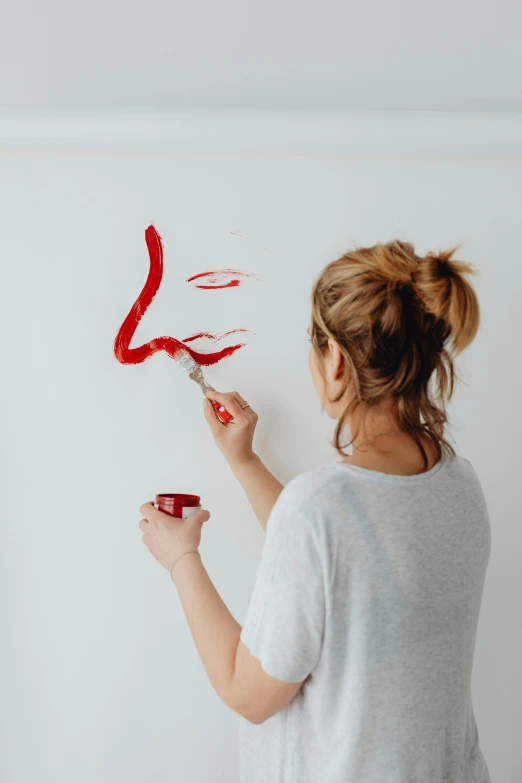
pixel 246 405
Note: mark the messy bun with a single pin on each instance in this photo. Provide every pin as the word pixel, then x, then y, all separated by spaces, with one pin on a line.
pixel 399 319
pixel 442 288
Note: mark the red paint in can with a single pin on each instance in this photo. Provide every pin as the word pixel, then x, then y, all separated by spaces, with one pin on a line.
pixel 177 504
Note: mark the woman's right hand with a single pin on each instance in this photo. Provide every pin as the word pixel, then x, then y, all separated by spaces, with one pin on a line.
pixel 235 439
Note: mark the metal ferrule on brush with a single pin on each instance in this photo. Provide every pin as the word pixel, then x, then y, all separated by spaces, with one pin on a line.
pixel 194 372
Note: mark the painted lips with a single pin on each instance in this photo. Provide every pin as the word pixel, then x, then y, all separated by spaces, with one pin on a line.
pixel 127 355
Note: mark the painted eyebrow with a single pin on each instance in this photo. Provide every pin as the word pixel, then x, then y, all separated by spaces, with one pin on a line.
pixel 217 278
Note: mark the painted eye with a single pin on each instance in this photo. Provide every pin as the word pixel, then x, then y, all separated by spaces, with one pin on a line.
pixel 219 278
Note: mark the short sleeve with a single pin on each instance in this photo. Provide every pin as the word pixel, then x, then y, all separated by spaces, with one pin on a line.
pixel 285 617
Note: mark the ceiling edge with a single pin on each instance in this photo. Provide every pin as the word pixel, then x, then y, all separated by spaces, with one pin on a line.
pixel 255 133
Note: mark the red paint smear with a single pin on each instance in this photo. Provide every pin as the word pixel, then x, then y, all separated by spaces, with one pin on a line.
pixel 219 274
pixel 232 284
pixel 213 336
pixel 170 345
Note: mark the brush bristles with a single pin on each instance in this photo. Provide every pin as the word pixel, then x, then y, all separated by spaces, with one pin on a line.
pixel 193 370
pixel 185 361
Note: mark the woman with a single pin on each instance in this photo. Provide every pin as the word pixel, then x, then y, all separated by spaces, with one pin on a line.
pixel 354 662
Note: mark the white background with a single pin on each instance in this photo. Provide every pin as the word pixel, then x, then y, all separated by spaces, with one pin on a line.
pixel 100 679
pixel 335 54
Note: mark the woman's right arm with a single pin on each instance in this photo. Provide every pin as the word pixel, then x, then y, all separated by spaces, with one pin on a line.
pixel 235 442
pixel 261 486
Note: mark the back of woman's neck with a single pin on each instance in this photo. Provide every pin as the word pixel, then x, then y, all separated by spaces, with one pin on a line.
pixel 398 455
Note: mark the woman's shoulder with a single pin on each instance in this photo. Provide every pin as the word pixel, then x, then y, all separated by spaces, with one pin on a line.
pixel 303 505
pixel 307 490
pixel 340 479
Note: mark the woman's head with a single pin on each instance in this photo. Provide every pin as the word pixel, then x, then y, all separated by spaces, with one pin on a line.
pixel 385 326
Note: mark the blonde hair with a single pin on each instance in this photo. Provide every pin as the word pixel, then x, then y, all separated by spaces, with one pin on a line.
pixel 399 320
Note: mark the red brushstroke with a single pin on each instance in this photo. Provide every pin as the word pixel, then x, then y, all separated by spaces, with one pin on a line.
pixel 212 336
pixel 122 350
pixel 219 275
pixel 231 284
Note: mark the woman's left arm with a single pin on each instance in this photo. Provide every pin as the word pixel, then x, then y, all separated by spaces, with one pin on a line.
pixel 236 675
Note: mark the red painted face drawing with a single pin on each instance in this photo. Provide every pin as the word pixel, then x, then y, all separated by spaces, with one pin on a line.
pixel 220 278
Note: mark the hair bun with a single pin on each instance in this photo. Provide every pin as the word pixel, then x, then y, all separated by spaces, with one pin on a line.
pixel 396 262
pixel 444 291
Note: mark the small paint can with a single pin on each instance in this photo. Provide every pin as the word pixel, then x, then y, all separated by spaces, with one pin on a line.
pixel 178 505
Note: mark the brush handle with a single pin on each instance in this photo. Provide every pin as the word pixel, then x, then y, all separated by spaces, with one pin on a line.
pixel 222 413
pixel 220 410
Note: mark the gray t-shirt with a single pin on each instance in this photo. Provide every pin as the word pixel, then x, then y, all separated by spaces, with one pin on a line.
pixel 369 588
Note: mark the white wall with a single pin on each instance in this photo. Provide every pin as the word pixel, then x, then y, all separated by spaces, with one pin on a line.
pixel 100 679
pixel 445 55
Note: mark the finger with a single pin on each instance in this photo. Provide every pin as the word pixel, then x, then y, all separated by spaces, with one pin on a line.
pixel 148 510
pixel 234 394
pixel 244 405
pixel 226 399
pixel 198 517
pixel 149 543
pixel 143 525
pixel 152 514
pixel 212 420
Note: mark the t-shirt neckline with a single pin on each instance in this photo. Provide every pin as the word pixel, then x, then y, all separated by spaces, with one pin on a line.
pixel 378 475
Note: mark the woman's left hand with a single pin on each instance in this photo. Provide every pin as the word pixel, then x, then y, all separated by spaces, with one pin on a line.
pixel 167 537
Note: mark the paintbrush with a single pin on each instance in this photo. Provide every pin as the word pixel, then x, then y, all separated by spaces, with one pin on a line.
pixel 195 373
